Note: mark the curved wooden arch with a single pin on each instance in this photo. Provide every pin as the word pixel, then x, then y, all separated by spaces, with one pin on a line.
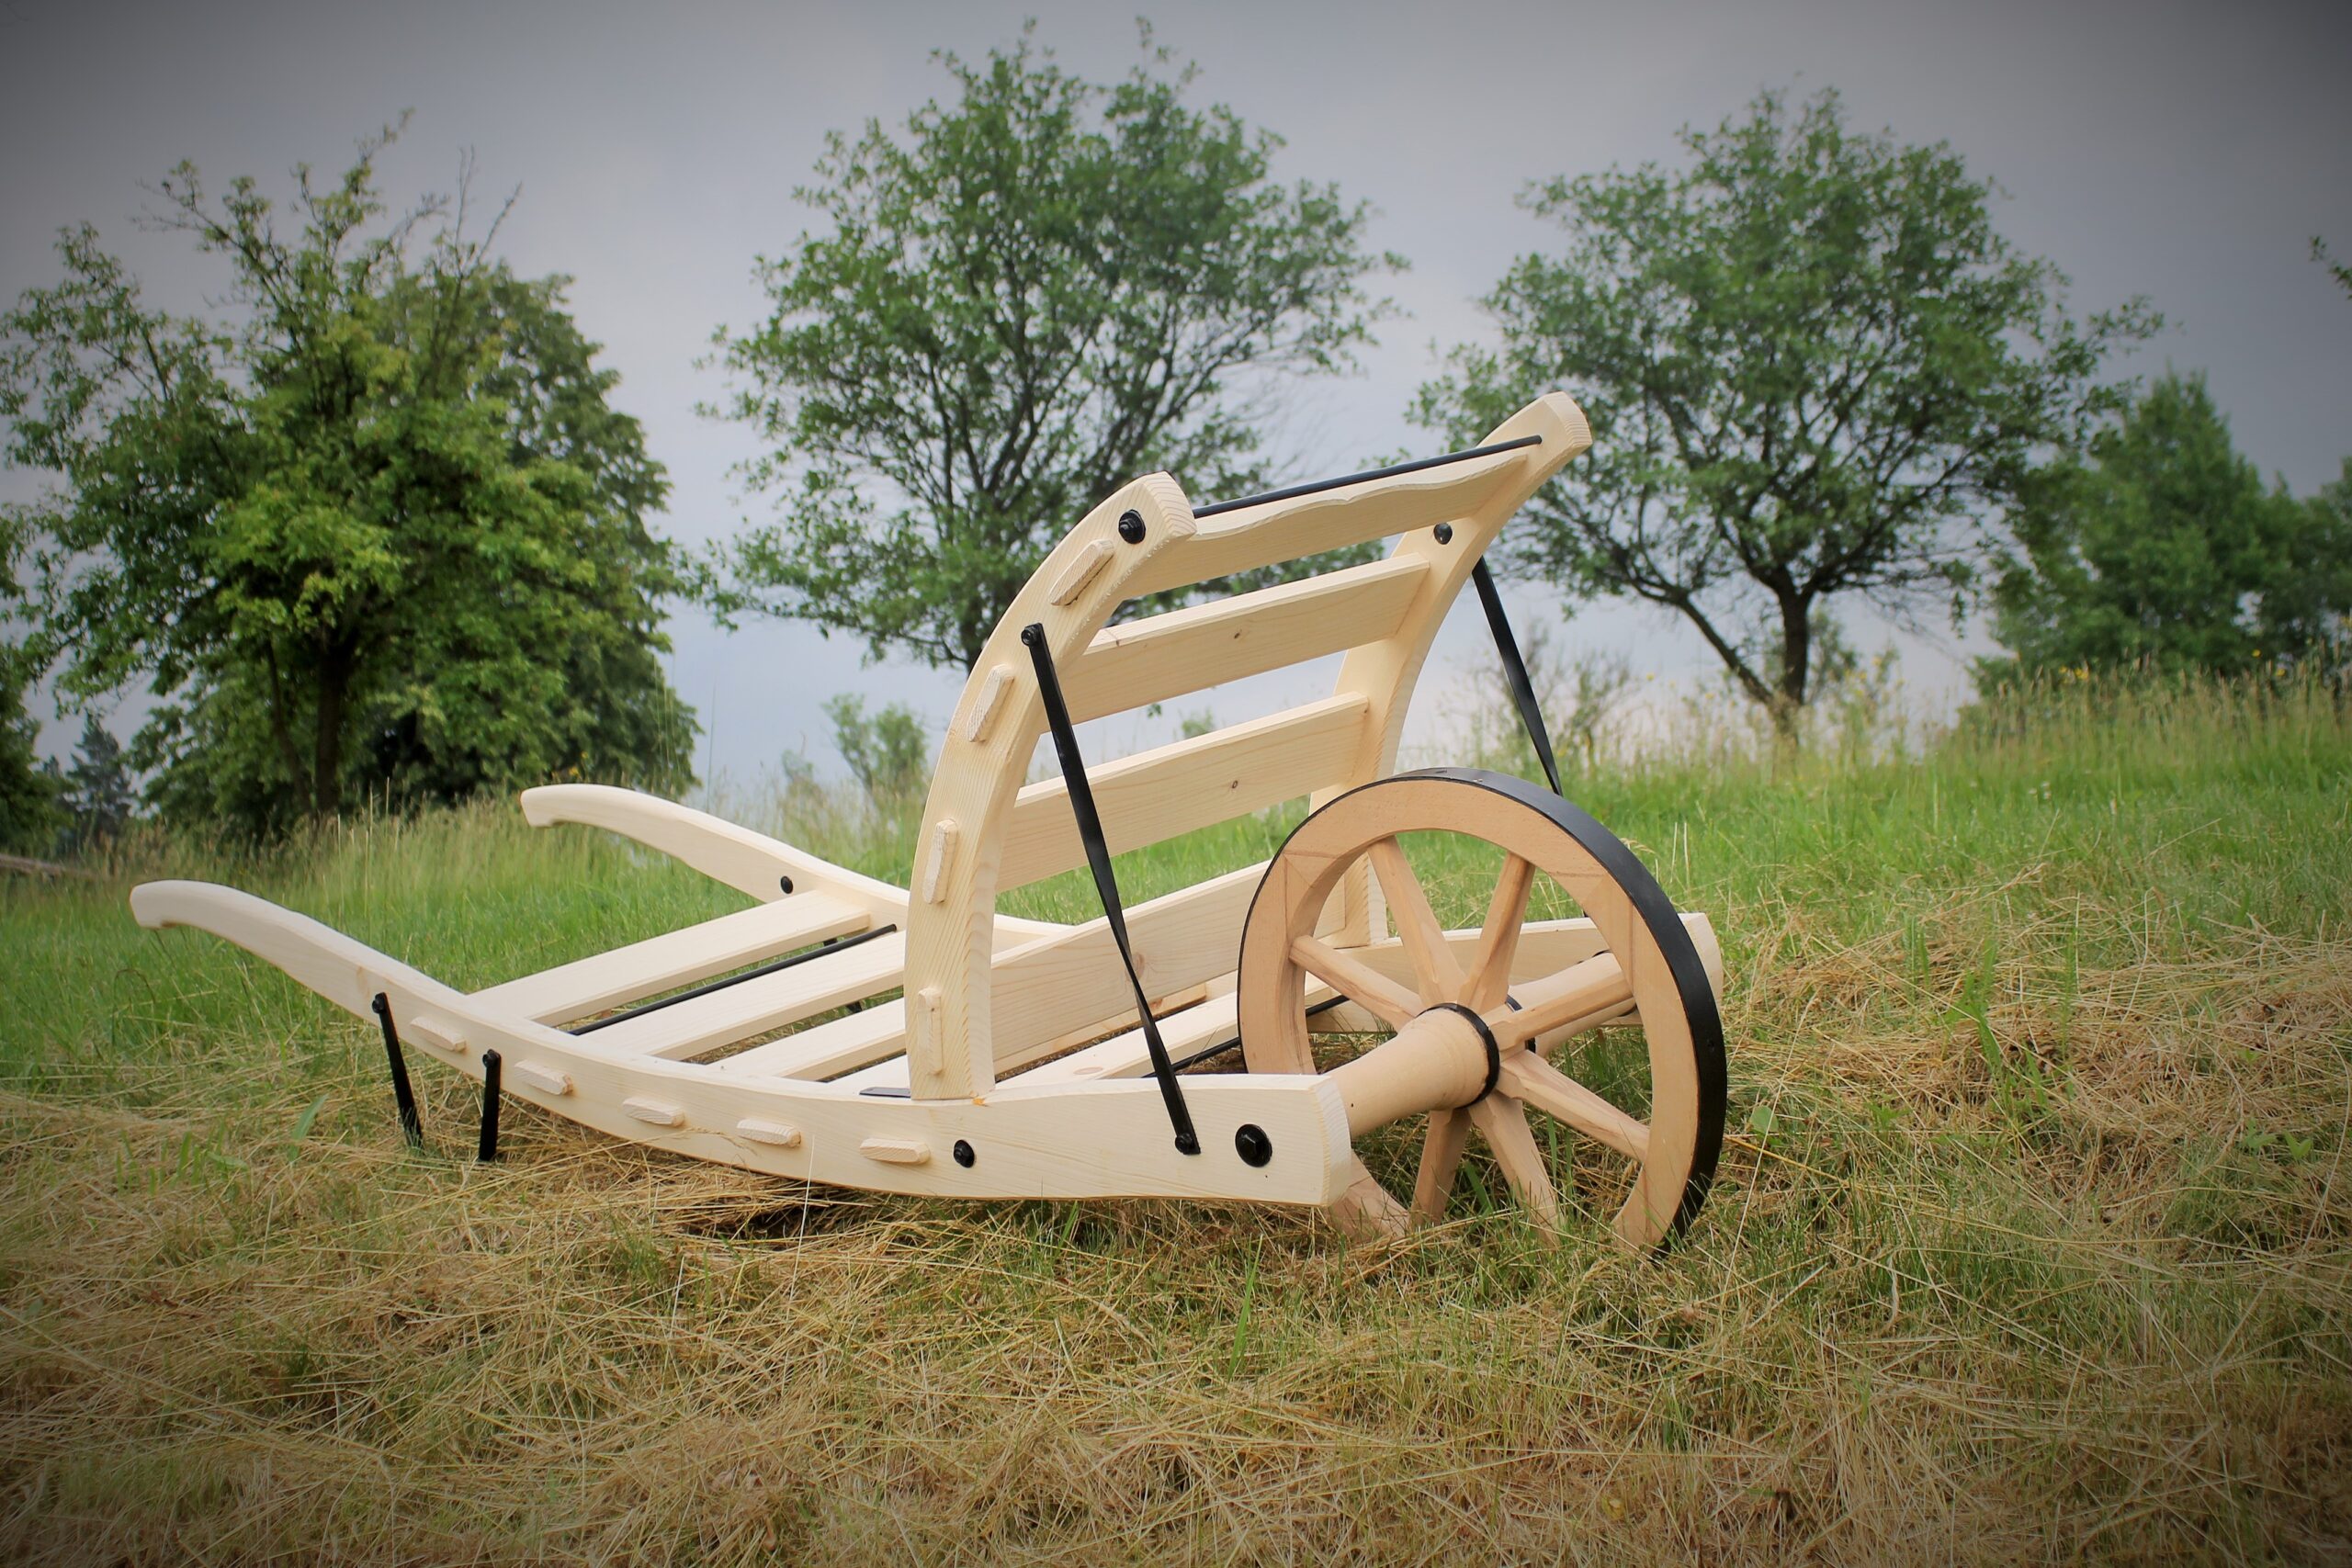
pixel 969 815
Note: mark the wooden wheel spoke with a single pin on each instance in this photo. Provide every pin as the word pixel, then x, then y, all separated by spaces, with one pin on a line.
pixel 1356 980
pixel 1530 1077
pixel 1367 1211
pixel 1573 996
pixel 1433 963
pixel 1499 938
pixel 1505 1125
pixel 1441 1157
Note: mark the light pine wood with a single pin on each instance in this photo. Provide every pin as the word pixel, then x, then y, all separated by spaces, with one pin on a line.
pixel 1174 789
pixel 986 995
pixel 1530 1077
pixel 1438 976
pixel 1387 1000
pixel 754 1007
pixel 1631 973
pixel 1442 1150
pixel 950 943
pixel 1386 673
pixel 677 959
pixel 1490 962
pixel 1081 1140
pixel 1277 530
pixel 1598 987
pixel 1505 1125
pixel 748 862
pixel 1543 949
pixel 1046 989
pixel 1181 651
pixel 1435 1063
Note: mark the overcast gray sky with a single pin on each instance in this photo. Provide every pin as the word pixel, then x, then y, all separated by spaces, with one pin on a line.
pixel 2185 152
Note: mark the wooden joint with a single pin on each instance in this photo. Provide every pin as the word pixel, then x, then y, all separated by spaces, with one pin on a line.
pixel 939 858
pixel 541 1077
pixel 1081 572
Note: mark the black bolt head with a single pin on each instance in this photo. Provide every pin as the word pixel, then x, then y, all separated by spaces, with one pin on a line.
pixel 1131 527
pixel 1444 532
pixel 785 882
pixel 964 1155
pixel 1252 1144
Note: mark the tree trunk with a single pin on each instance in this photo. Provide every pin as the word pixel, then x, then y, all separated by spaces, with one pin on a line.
pixel 326 742
pixel 1796 668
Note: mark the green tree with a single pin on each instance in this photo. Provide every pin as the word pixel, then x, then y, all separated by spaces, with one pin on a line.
pixel 98 794
pixel 1034 295
pixel 887 750
pixel 1812 366
pixel 2165 551
pixel 371 528
pixel 28 810
pixel 2335 269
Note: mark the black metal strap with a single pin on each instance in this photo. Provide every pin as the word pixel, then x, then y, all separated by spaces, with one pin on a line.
pixel 1522 691
pixel 486 1147
pixel 411 1124
pixel 1391 471
pixel 1106 885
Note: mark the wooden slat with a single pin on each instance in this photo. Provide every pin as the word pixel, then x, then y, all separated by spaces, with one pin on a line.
pixel 825 1050
pixel 1042 992
pixel 1174 789
pixel 772 1001
pixel 1287 530
pixel 1126 1054
pixel 676 958
pixel 1161 657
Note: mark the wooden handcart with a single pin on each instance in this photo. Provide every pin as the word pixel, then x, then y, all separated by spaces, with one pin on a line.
pixel 1027 1059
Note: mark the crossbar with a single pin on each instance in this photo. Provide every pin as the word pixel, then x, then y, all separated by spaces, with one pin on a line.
pixel 1316 487
pixel 1160 657
pixel 1174 789
pixel 1266 532
pixel 832 978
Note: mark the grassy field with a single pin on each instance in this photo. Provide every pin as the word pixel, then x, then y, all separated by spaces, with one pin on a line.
pixel 2031 1241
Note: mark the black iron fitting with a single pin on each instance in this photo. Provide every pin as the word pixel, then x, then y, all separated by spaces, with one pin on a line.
pixel 1486 1037
pixel 1319 486
pixel 411 1124
pixel 1106 885
pixel 1522 691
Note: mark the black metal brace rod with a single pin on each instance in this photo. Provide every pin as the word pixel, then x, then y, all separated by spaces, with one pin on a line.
pixel 841 944
pixel 411 1124
pixel 1106 885
pixel 1523 690
pixel 486 1147
pixel 1319 486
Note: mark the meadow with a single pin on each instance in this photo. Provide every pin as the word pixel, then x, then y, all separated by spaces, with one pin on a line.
pixel 2029 1241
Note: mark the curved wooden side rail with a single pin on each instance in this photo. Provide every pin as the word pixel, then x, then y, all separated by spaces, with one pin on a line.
pixel 1084 1141
pixel 748 862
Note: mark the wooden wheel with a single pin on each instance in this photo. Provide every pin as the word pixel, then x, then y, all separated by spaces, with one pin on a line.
pixel 1461 1000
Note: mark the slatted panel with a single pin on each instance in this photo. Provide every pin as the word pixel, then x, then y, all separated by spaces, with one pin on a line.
pixel 755 1007
pixel 1287 530
pixel 1043 992
pixel 1174 789
pixel 674 959
pixel 1166 656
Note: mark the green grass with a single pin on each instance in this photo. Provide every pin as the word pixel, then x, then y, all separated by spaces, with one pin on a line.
pixel 2030 1243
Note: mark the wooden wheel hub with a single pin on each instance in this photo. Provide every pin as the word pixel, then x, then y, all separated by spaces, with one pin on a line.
pixel 1445 1059
pixel 1472 1026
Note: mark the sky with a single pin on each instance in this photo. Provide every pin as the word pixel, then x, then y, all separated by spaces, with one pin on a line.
pixel 2186 153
